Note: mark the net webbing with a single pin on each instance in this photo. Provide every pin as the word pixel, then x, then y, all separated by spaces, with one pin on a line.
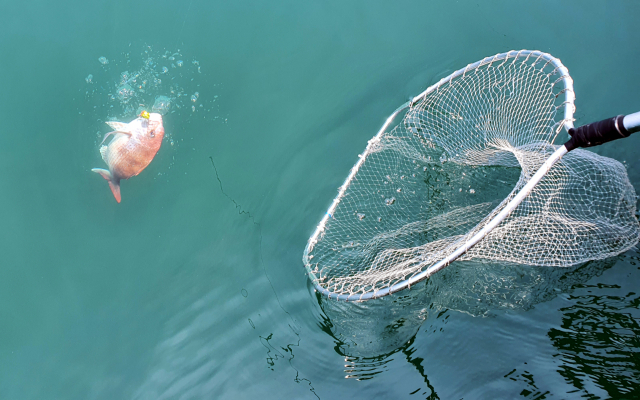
pixel 458 155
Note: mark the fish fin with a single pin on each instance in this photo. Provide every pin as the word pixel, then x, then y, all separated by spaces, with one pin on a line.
pixel 113 133
pixel 114 185
pixel 103 172
pixel 118 126
pixel 103 153
pixel 106 136
pixel 115 189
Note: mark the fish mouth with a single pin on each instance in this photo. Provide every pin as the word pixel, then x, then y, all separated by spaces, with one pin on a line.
pixel 155 117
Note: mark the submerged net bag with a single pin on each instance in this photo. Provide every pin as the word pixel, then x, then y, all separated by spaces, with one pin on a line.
pixel 457 154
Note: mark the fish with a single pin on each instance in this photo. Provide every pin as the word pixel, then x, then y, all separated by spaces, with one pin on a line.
pixel 131 149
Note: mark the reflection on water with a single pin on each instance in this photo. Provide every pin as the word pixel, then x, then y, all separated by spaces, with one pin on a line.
pixel 374 329
pixel 370 335
pixel 598 340
pixel 364 368
pixel 526 379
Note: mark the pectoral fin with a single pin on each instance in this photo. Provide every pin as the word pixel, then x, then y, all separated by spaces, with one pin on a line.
pixel 114 184
pixel 118 126
pixel 113 133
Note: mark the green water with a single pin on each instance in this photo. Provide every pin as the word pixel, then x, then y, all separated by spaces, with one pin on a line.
pixel 184 292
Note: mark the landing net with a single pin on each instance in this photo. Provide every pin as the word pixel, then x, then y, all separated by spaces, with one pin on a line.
pixel 460 151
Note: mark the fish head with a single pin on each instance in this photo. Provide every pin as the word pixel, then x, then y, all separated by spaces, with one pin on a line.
pixel 155 129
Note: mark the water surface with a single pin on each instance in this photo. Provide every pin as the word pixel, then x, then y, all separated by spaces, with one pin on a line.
pixel 193 286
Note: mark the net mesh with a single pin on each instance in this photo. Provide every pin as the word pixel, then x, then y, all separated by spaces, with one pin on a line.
pixel 455 159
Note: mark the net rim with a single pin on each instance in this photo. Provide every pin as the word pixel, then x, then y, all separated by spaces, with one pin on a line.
pixel 510 56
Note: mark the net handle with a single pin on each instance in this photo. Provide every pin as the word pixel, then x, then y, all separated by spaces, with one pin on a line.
pixel 607 130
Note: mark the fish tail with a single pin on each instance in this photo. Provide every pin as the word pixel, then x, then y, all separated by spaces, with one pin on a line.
pixel 114 184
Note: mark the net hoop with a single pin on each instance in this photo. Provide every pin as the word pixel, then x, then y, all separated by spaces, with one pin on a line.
pixel 566 83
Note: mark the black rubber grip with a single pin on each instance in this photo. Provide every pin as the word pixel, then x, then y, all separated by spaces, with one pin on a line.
pixel 597 133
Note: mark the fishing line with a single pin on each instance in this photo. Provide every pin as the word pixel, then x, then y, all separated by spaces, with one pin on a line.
pixel 269 347
pixel 241 211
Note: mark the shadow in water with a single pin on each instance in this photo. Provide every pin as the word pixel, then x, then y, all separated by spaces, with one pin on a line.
pixel 370 334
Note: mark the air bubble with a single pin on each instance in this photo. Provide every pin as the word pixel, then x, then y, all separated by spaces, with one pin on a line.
pixel 122 92
pixel 390 201
pixel 124 77
pixel 125 93
pixel 161 105
pixel 195 96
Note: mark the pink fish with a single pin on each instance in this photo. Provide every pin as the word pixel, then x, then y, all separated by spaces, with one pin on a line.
pixel 131 149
